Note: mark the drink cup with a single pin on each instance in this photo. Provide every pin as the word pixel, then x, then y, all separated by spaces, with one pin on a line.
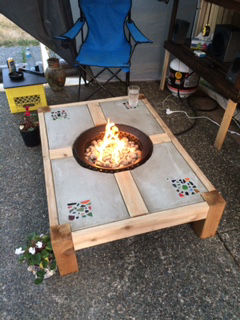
pixel 133 95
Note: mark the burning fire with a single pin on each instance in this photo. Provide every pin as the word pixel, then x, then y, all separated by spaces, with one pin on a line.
pixel 111 151
pixel 111 143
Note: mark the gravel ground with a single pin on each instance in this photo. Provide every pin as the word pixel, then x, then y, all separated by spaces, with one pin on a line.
pixel 17 54
pixel 170 274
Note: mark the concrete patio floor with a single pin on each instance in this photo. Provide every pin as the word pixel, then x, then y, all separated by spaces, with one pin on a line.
pixel 170 274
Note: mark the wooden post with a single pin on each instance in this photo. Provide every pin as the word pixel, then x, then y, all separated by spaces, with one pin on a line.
pixel 207 228
pixel 201 17
pixel 173 19
pixel 170 36
pixel 61 237
pixel 165 68
pixel 227 118
pixel 229 4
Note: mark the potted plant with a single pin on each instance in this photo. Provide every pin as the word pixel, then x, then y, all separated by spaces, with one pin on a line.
pixel 29 130
pixel 38 255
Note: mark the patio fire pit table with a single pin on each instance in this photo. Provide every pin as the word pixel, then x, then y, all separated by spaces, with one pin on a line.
pixel 155 185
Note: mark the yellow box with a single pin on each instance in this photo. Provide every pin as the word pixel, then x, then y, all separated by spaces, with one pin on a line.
pixel 32 96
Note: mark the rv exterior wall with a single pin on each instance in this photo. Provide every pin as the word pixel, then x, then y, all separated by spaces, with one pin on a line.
pixel 153 18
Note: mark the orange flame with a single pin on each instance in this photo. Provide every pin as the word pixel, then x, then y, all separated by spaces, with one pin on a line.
pixel 111 144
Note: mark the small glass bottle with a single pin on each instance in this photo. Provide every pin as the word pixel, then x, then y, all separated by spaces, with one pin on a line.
pixel 30 60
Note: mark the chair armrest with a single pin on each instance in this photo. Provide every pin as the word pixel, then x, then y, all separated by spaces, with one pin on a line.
pixel 137 35
pixel 73 32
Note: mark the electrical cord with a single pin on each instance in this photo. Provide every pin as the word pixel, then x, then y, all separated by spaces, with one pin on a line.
pixel 236 122
pixel 193 108
pixel 168 112
pixel 194 112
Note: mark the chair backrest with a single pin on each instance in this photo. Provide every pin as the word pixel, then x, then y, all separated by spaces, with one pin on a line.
pixel 105 20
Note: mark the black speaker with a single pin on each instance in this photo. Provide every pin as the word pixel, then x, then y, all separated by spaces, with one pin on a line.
pixel 180 31
pixel 233 74
pixel 226 42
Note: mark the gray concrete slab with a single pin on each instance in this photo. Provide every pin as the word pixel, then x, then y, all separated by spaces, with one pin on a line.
pixel 163 178
pixel 231 239
pixel 170 274
pixel 83 195
pixel 139 117
pixel 64 125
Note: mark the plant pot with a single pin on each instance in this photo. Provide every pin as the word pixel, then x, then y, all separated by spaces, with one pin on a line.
pixel 31 138
pixel 55 75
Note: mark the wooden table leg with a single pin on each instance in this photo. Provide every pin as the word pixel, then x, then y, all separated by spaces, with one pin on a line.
pixel 227 118
pixel 207 228
pixel 61 238
pixel 165 69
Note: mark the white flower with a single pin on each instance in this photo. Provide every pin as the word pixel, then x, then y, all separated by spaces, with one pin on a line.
pixel 30 268
pixel 39 244
pixel 49 273
pixel 32 250
pixel 19 251
pixel 42 235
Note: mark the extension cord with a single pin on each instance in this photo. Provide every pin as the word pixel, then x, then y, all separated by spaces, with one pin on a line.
pixel 169 111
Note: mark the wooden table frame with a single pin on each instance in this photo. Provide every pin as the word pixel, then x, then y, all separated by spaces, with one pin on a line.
pixel 204 216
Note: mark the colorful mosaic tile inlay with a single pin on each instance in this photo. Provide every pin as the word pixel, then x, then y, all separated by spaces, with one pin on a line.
pixel 184 187
pixel 80 209
pixel 127 106
pixel 59 114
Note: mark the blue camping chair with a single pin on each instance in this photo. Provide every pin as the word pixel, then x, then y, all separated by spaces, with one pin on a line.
pixel 106 44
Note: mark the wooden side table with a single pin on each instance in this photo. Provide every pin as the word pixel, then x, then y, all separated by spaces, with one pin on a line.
pixel 28 92
pixel 183 54
pixel 207 68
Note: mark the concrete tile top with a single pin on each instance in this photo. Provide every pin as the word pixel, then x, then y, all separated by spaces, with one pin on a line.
pixel 166 181
pixel 86 198
pixel 139 117
pixel 64 125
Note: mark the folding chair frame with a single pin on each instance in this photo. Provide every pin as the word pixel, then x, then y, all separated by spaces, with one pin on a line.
pixel 83 72
pixel 93 78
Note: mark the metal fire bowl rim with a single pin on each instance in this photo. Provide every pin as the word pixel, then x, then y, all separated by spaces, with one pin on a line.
pixel 86 137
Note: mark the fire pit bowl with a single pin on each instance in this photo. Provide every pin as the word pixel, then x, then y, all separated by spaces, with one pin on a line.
pixel 85 139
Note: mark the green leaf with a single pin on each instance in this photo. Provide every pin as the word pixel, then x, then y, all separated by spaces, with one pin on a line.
pixel 28 255
pixel 22 258
pixel 53 265
pixel 49 246
pixel 41 273
pixel 38 280
pixel 31 237
pixel 44 253
pixel 39 258
pixel 36 258
pixel 45 263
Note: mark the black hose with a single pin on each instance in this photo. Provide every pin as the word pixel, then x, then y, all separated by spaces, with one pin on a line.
pixel 197 109
pixel 194 110
pixel 194 113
